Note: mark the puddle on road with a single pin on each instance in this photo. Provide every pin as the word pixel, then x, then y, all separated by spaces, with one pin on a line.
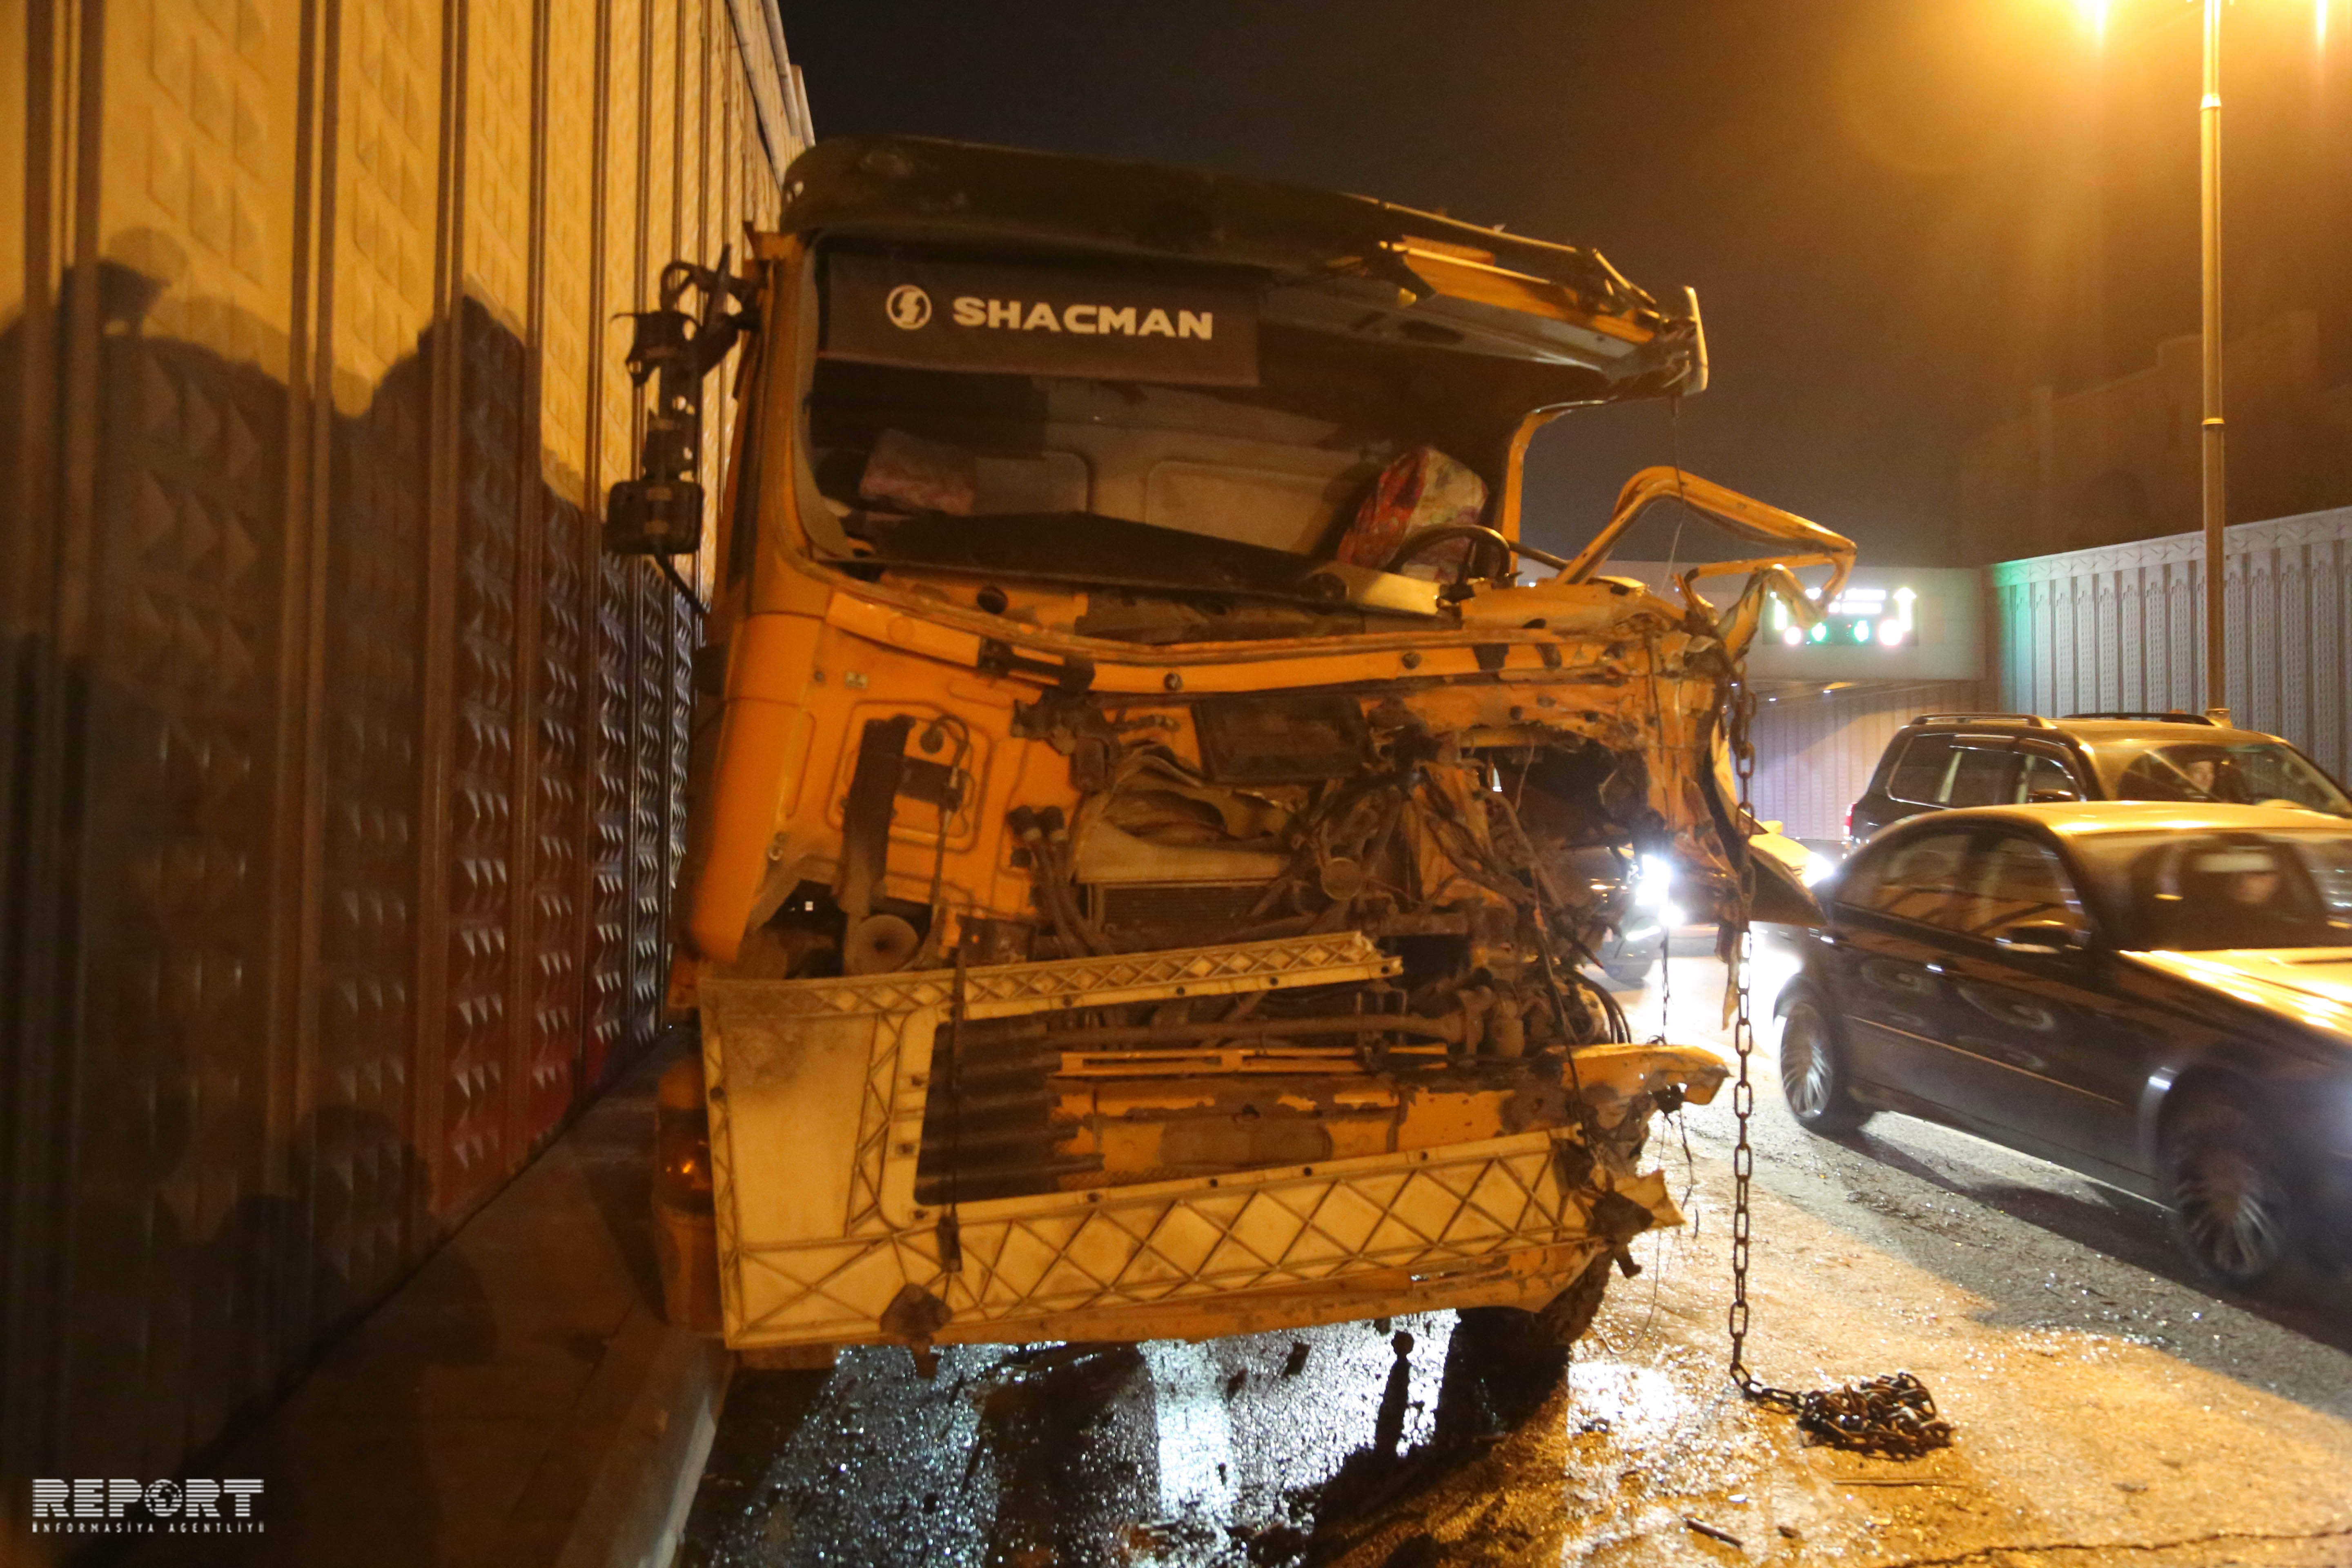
pixel 1315 1445
pixel 1635 1404
pixel 1230 1451
pixel 1430 1441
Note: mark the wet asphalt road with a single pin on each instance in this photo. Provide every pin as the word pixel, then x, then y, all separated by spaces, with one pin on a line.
pixel 2110 1411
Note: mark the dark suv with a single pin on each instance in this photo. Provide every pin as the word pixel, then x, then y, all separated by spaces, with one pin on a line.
pixel 1945 760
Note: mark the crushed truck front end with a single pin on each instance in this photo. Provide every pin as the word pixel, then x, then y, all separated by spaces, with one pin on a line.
pixel 1147 843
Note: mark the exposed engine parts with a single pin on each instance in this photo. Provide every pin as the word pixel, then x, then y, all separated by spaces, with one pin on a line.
pixel 1492 872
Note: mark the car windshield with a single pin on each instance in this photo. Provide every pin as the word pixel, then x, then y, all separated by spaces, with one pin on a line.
pixel 2201 891
pixel 2244 772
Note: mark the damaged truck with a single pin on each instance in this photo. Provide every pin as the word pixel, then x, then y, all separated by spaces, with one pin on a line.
pixel 1153 812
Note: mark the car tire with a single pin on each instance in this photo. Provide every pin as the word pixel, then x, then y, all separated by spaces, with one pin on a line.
pixel 1627 971
pixel 1630 963
pixel 1569 1314
pixel 1812 1071
pixel 2231 1210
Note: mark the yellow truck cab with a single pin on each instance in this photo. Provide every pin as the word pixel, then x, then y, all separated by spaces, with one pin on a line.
pixel 1149 839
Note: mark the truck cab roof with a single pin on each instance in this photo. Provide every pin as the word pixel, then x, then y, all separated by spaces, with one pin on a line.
pixel 1366 271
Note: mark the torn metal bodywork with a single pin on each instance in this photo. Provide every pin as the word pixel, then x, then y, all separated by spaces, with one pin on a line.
pixel 845 1214
pixel 1147 850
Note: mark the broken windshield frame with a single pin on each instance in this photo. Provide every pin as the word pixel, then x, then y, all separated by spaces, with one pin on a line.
pixel 1435 336
pixel 1295 481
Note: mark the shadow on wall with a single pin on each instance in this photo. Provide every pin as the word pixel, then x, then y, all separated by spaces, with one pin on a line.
pixel 391 1506
pixel 227 1121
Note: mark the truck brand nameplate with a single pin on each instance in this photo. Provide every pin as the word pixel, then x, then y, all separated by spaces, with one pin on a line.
pixel 1115 324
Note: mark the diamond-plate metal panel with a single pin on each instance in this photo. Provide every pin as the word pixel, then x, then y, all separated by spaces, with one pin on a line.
pixel 364 1020
pixel 355 1154
pixel 566 1009
pixel 619 281
pixel 384 202
pixel 178 835
pixel 653 788
pixel 302 594
pixel 170 598
pixel 477 1029
pixel 608 946
pixel 557 778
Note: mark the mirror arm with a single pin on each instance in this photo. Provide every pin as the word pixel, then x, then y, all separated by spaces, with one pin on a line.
pixel 659 512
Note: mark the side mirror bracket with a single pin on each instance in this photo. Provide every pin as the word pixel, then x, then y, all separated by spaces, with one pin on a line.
pixel 659 512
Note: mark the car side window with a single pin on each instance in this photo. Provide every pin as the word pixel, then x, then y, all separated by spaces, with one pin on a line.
pixel 1918 774
pixel 2043 777
pixel 2019 881
pixel 1979 776
pixel 1918 880
pixel 2156 777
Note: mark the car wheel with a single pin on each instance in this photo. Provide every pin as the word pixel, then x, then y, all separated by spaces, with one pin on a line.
pixel 1813 1074
pixel 1628 971
pixel 2231 1210
pixel 1565 1319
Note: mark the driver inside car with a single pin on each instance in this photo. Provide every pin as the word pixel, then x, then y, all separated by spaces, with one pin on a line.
pixel 2247 898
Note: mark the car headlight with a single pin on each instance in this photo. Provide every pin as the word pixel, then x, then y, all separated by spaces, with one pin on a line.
pixel 1654 884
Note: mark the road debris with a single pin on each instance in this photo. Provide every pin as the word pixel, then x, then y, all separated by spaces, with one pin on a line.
pixel 1713 1534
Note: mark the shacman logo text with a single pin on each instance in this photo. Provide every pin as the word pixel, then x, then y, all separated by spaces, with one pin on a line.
pixel 92 1505
pixel 909 308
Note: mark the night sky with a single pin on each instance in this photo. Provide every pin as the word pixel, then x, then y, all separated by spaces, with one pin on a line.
pixel 1899 214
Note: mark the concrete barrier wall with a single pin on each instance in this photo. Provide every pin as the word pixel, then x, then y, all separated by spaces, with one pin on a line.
pixel 339 796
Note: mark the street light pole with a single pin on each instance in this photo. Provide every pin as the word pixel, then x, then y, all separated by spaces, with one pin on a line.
pixel 2216 491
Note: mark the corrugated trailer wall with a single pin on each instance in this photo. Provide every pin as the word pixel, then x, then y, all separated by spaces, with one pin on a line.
pixel 1815 751
pixel 341 779
pixel 2124 627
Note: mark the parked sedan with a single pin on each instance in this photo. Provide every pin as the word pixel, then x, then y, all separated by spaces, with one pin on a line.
pixel 2156 995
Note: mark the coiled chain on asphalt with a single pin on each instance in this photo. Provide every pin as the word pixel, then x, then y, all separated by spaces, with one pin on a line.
pixel 1891 1416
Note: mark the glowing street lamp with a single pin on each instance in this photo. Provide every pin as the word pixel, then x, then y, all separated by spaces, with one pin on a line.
pixel 2211 445
pixel 2216 489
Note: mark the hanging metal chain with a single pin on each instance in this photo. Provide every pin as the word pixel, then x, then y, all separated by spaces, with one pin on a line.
pixel 1666 967
pixel 1742 710
pixel 1895 1415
